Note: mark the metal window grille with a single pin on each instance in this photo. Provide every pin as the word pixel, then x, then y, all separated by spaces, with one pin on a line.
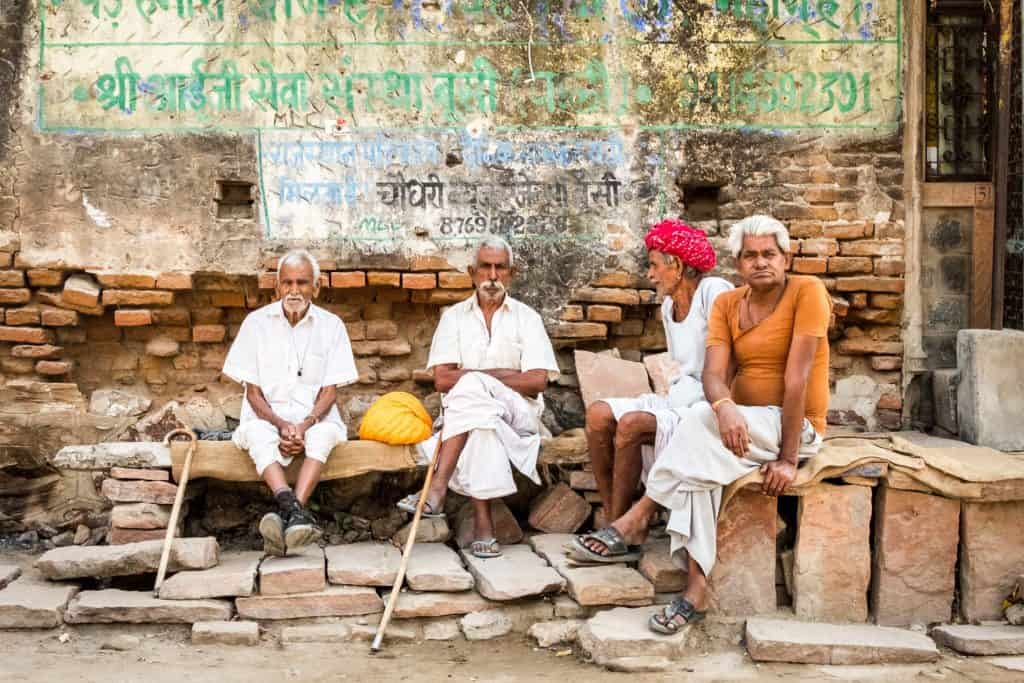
pixel 1013 281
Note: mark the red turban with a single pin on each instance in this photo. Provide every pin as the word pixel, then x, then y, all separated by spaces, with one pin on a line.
pixel 673 236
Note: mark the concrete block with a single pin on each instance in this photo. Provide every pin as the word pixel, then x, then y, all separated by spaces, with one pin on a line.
pixel 914 563
pixel 989 399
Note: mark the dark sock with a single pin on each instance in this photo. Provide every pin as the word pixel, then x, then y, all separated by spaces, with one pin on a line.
pixel 286 499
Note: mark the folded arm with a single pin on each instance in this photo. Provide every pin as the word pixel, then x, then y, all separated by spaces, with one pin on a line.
pixel 529 383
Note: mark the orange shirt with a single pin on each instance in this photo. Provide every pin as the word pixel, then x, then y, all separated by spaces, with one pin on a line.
pixel 761 351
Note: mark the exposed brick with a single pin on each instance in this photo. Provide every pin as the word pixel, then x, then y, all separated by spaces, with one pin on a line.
pixel 126 281
pixel 12 278
pixel 884 266
pixel 858 300
pixel 648 297
pixel 619 278
pixel 42 277
pixel 572 313
pixel 887 300
pixel 394 347
pixel 227 299
pixel 819 247
pixel 54 368
pixel 29 315
pixel 133 317
pixel 886 363
pixel 348 279
pixel 356 330
pixel 390 295
pixel 6 259
pixel 440 296
pixel 267 281
pixel 606 295
pixel 173 315
pixel 822 213
pixel 81 290
pixel 381 330
pixel 578 330
pixel 810 266
pixel 137 297
pixel 822 176
pixel 454 280
pixel 840 306
pixel 26 335
pixel 867 346
pixel 629 328
pixel 17 366
pixel 377 311
pixel 846 231
pixel 209 334
pixel 849 264
pixel 604 313
pixel 422 263
pixel 872 248
pixel 890 401
pixel 806 229
pixel 15 296
pixel 879 316
pixel 58 317
pixel 32 351
pixel 870 284
pixel 175 281
pixel 377 278
pixel 419 281
pixel 821 195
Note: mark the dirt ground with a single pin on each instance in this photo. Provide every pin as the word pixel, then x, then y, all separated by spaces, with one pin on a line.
pixel 164 654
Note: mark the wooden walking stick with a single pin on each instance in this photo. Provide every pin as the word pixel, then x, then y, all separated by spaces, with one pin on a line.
pixel 172 525
pixel 396 588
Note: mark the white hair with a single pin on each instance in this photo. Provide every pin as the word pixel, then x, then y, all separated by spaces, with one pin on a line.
pixel 297 256
pixel 758 226
pixel 492 242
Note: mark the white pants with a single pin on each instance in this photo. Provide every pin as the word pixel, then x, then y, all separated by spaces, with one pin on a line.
pixel 261 440
pixel 503 433
pixel 666 418
pixel 688 476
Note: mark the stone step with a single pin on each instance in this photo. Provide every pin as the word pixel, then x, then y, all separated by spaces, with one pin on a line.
pixel 8 573
pixel 612 584
pixel 31 603
pixel 114 606
pixel 225 633
pixel 315 633
pixel 235 576
pixel 412 604
pixel 492 623
pixel 436 567
pixel 802 642
pixel 987 639
pixel 518 573
pixel 623 632
pixel 363 564
pixel 657 567
pixel 140 516
pixel 125 560
pixel 302 572
pixel 334 601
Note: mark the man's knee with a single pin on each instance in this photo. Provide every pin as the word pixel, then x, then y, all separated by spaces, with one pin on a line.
pixel 635 428
pixel 600 418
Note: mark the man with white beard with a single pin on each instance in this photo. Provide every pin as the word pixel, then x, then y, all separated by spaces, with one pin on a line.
pixel 291 356
pixel 491 359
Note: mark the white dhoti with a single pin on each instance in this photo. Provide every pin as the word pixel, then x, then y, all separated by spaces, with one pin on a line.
pixel 690 472
pixel 504 432
pixel 261 440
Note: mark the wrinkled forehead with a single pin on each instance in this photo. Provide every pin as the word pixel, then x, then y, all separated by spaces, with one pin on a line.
pixel 760 243
pixel 300 270
pixel 491 256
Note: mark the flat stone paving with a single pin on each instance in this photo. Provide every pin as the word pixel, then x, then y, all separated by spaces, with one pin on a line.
pixel 611 584
pixel 124 560
pixel 363 564
pixel 226 633
pixel 436 567
pixel 412 604
pixel 334 601
pixel 31 603
pixel 623 632
pixel 235 576
pixel 303 572
pixel 988 639
pixel 802 642
pixel 518 573
pixel 8 573
pixel 113 606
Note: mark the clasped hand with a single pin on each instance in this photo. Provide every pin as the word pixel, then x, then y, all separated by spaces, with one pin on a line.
pixel 293 438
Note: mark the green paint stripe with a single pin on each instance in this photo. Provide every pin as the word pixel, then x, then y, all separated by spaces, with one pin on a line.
pixel 263 191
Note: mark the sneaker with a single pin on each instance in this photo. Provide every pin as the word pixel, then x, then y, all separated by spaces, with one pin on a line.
pixel 272 531
pixel 300 529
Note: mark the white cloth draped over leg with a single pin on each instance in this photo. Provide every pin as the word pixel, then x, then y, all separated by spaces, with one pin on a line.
pixel 503 433
pixel 262 440
pixel 689 474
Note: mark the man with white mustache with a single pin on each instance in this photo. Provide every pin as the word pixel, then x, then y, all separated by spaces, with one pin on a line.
pixel 291 356
pixel 491 359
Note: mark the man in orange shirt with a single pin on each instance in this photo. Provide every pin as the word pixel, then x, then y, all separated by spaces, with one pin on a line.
pixel 766 383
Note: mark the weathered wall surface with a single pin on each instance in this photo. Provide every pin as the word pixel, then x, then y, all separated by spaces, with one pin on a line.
pixel 156 156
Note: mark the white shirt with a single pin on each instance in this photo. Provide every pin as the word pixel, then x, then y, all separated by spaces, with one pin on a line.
pixel 517 340
pixel 686 340
pixel 291 364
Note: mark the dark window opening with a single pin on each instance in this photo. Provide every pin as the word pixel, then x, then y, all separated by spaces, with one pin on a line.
pixel 961 44
pixel 235 199
pixel 701 202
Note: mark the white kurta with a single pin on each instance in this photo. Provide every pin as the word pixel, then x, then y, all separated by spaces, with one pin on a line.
pixel 290 365
pixel 685 341
pixel 503 426
pixel 694 465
